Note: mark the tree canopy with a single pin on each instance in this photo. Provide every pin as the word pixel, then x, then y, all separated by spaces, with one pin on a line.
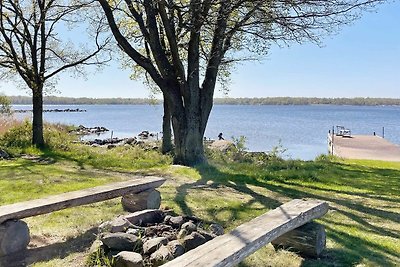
pixel 183 45
pixel 32 48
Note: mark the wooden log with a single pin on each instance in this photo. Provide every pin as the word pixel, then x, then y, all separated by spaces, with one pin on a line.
pixel 77 198
pixel 232 248
pixel 308 240
pixel 149 199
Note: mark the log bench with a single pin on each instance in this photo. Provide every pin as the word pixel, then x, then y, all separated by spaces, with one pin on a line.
pixel 231 248
pixel 14 233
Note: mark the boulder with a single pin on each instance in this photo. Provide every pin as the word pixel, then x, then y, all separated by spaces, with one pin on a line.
pixel 134 231
pixel 96 250
pixel 167 218
pixel 153 244
pixel 208 236
pixel 157 230
pixel 122 241
pixel 145 217
pixel 189 227
pixel 222 145
pixel 149 199
pixel 4 154
pixel 216 229
pixel 193 241
pixel 96 247
pixel 176 221
pixel 128 259
pixel 176 248
pixel 161 256
pixel 182 233
pixel 119 224
pixel 14 237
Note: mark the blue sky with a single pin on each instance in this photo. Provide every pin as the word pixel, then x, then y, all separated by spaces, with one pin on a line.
pixel 362 60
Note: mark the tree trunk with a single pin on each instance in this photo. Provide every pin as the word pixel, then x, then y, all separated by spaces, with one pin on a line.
pixel 166 140
pixel 37 121
pixel 188 138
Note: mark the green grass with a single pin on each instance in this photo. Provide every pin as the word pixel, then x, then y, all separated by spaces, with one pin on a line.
pixel 363 224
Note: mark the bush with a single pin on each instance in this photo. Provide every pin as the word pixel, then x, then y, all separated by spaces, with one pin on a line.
pixel 18 138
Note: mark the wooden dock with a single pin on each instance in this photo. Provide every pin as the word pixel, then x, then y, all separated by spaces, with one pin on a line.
pixel 364 147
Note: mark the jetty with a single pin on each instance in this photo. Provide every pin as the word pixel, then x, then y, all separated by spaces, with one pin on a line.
pixel 371 147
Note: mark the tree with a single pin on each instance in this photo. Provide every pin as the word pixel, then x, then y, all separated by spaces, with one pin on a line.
pixel 32 46
pixel 5 105
pixel 183 45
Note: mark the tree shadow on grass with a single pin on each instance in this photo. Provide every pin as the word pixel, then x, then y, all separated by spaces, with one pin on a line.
pixel 211 177
pixel 355 248
pixel 52 251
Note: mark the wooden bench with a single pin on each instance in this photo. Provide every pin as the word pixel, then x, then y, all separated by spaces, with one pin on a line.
pixel 233 247
pixel 10 214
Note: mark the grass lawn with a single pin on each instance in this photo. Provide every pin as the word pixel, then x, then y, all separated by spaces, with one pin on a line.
pixel 363 224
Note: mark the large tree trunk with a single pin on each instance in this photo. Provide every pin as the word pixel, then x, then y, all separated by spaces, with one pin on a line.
pixel 188 138
pixel 37 123
pixel 189 123
pixel 166 140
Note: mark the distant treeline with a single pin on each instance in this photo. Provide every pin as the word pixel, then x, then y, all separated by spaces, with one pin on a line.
pixel 358 101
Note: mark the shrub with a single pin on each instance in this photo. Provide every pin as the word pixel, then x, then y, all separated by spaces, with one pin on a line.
pixel 18 138
pixel 7 122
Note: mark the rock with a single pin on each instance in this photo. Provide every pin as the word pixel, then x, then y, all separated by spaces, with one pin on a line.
pixel 222 145
pixel 145 217
pixel 122 241
pixel 193 241
pixel 216 229
pixel 182 233
pixel 176 221
pixel 96 250
pixel 207 235
pixel 96 246
pixel 161 256
pixel 133 231
pixel 119 224
pixel 130 140
pixel 14 237
pixel 153 244
pixel 189 227
pixel 4 154
pixel 111 146
pixel 167 218
pixel 128 259
pixel 150 199
pixel 176 248
pixel 157 230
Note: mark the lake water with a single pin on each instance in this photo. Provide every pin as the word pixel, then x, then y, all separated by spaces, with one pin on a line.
pixel 302 130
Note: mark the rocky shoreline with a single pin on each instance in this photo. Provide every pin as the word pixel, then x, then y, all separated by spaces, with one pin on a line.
pixel 51 110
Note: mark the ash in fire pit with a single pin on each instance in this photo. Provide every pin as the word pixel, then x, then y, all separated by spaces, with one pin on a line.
pixel 149 238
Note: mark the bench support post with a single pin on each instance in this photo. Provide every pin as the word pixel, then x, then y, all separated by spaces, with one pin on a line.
pixel 14 237
pixel 307 240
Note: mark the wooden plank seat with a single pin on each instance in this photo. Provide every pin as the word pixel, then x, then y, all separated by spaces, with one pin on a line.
pixel 231 248
pixel 14 233
pixel 77 198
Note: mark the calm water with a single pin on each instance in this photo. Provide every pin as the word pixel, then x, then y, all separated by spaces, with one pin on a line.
pixel 302 130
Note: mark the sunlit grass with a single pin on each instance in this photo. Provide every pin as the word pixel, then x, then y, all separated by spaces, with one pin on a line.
pixel 363 224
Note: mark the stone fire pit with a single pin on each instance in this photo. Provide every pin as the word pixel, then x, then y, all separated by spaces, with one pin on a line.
pixel 149 238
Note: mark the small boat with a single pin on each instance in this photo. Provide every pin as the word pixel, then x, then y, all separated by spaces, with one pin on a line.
pixel 342 131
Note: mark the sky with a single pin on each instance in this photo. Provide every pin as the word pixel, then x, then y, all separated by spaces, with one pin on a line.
pixel 362 60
